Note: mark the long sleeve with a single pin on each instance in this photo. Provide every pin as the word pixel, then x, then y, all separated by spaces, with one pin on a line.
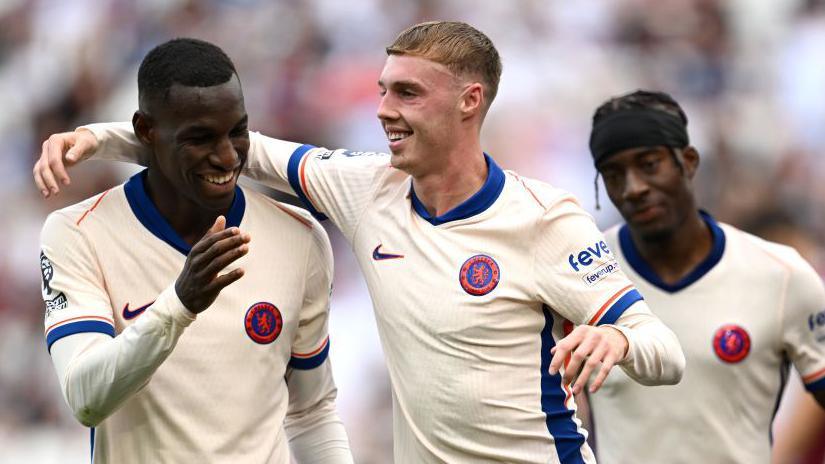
pixel 97 370
pixel 316 433
pixel 579 278
pixel 654 355
pixel 98 373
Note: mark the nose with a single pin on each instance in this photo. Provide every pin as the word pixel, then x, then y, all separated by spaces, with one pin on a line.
pixel 635 186
pixel 225 156
pixel 386 108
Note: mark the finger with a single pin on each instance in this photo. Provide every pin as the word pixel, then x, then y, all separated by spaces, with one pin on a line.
pixel 57 145
pixel 38 180
pixel 607 363
pixel 220 247
pixel 578 357
pixel 46 172
pixel 220 262
pixel 593 361
pixel 560 352
pixel 77 150
pixel 222 281
pixel 210 238
pixel 219 225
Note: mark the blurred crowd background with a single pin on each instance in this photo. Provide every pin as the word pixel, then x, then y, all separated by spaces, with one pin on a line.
pixel 749 73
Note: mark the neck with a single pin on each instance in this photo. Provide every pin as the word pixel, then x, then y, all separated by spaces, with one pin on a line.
pixel 674 256
pixel 189 220
pixel 459 177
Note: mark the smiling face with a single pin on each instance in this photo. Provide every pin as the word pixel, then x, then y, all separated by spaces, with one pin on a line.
pixel 419 111
pixel 650 190
pixel 199 140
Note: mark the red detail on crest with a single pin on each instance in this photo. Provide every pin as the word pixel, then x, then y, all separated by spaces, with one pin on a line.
pixel 479 275
pixel 731 343
pixel 263 323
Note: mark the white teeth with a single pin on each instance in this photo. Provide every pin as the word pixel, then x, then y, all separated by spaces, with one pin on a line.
pixel 394 136
pixel 218 179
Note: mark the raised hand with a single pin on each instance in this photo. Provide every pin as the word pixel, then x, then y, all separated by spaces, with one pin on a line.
pixel 199 284
pixel 57 153
pixel 589 348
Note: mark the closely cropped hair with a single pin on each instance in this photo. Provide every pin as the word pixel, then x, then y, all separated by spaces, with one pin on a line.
pixel 184 61
pixel 460 47
pixel 641 99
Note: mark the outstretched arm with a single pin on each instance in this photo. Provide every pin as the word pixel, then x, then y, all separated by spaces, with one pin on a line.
pixel 638 342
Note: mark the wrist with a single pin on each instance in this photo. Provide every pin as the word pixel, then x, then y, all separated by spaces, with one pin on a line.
pixel 622 343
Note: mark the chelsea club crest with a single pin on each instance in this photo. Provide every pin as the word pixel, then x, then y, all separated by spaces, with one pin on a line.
pixel 263 323
pixel 479 275
pixel 731 343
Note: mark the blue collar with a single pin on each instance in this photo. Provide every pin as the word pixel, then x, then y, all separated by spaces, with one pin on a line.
pixel 476 204
pixel 148 214
pixel 643 269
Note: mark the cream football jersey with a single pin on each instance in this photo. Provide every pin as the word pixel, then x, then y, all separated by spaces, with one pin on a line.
pixel 221 395
pixel 742 316
pixel 468 304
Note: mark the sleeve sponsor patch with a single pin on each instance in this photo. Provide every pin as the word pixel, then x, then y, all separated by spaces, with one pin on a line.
pixel 816 324
pixel 593 277
pixel 55 301
pixel 327 154
pixel 596 261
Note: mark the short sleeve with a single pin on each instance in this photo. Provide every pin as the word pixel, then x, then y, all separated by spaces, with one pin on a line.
pixel 72 284
pixel 576 273
pixel 803 324
pixel 310 347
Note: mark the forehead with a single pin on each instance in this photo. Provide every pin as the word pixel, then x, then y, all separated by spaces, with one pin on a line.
pixel 218 101
pixel 414 69
pixel 630 155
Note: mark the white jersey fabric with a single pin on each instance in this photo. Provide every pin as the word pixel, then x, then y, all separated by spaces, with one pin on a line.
pixel 746 312
pixel 109 265
pixel 470 303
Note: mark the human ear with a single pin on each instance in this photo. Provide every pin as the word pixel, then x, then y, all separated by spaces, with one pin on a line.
pixel 472 99
pixel 142 125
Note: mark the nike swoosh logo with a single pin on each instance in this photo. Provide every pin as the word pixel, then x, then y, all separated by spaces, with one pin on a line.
pixel 378 256
pixel 136 312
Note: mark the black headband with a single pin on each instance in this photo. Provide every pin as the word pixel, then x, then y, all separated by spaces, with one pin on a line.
pixel 636 128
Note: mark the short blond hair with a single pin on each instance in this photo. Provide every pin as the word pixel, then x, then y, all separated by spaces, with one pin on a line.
pixel 463 49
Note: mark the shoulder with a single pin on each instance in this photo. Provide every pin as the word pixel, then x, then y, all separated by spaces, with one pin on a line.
pixel 546 197
pixel 772 254
pixel 285 217
pixel 76 217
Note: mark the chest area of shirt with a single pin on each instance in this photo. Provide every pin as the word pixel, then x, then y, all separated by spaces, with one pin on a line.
pixel 260 309
pixel 720 328
pixel 456 279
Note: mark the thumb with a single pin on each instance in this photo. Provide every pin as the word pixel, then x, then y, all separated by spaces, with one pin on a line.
pixel 83 144
pixel 219 225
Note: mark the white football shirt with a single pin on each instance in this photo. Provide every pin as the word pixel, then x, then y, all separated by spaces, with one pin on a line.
pixel 745 313
pixel 221 395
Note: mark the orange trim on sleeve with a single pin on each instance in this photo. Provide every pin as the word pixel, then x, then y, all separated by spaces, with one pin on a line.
pixel 810 378
pixel 110 321
pixel 295 216
pixel 303 181
pixel 607 305
pixel 93 207
pixel 312 353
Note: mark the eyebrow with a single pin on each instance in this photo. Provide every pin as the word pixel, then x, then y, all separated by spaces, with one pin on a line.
pixel 401 84
pixel 206 130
